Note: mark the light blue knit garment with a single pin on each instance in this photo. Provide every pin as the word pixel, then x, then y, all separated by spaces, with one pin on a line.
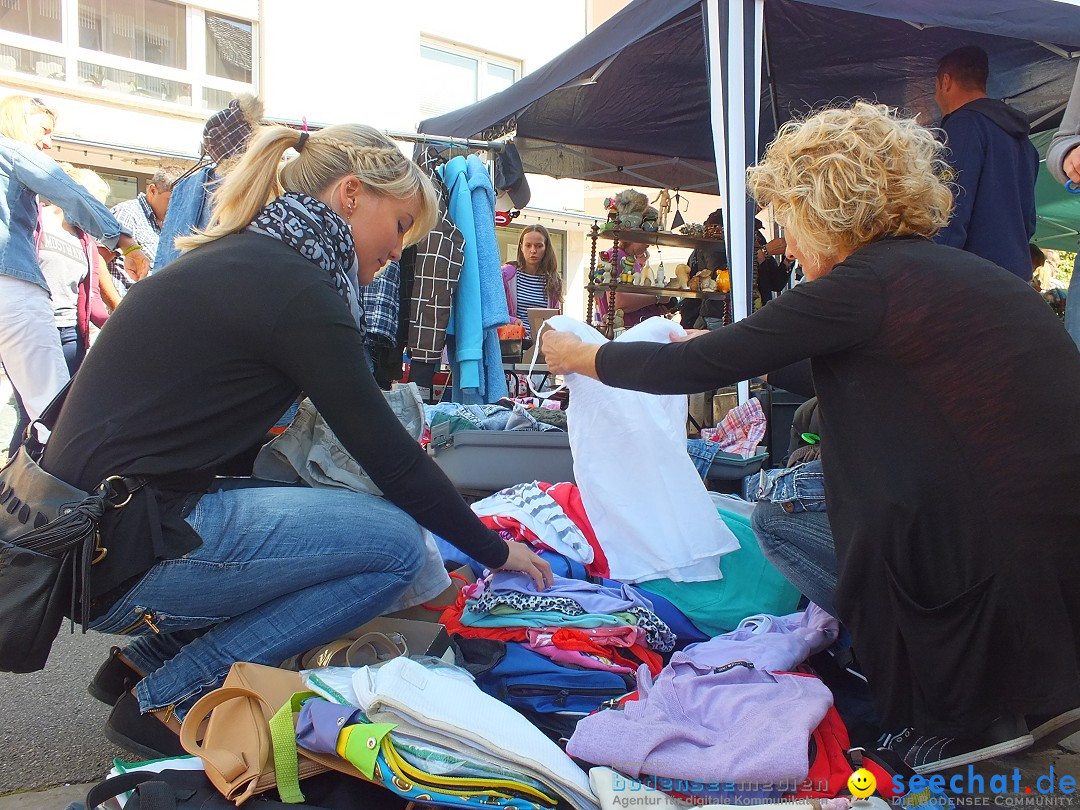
pixel 466 349
pixel 492 292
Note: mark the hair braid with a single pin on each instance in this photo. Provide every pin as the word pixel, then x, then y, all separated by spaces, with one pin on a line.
pixel 327 156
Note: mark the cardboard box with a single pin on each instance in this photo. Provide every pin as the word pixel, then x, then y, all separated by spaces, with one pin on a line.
pixel 722 402
pixel 421 638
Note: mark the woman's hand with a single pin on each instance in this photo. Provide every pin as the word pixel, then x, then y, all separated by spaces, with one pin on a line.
pixel 566 353
pixel 1071 165
pixel 690 335
pixel 522 559
pixel 136 262
pixel 776 247
pixel 137 265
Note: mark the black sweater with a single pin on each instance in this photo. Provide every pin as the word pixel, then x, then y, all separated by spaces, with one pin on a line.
pixel 950 396
pixel 199 361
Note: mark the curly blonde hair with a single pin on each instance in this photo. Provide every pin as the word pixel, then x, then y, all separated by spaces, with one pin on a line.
pixel 328 155
pixel 845 177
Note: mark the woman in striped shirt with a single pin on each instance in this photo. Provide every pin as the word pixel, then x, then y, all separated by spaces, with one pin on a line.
pixel 533 280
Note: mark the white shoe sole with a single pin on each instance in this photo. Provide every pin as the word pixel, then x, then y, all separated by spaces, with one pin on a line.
pixel 990 752
pixel 1057 728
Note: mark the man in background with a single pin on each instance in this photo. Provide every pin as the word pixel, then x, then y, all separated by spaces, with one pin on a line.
pixel 143 216
pixel 995 165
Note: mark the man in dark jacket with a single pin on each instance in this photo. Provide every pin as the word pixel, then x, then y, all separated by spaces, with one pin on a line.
pixel 994 162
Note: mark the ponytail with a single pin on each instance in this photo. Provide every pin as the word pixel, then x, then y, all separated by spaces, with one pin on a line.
pixel 247 188
pixel 325 156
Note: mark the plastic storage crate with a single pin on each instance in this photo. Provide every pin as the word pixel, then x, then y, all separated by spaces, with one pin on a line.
pixel 730 467
pixel 496 459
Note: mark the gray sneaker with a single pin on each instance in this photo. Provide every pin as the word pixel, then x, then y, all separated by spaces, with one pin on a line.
pixel 930 754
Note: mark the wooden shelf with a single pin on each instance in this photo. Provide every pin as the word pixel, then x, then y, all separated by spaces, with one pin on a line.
pixel 671 292
pixel 659 238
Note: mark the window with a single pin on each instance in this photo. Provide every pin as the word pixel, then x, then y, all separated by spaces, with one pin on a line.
pixel 228 48
pixel 35 18
pixel 153 31
pixel 464 76
pixel 35 62
pixel 121 186
pixel 156 49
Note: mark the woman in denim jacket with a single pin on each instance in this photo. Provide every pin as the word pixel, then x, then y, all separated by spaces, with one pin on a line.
pixel 29 344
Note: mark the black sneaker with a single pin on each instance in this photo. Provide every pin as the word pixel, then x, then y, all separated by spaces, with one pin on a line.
pixel 141 734
pixel 115 677
pixel 1050 729
pixel 929 754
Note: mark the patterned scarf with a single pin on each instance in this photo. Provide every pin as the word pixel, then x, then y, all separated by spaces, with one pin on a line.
pixel 313 230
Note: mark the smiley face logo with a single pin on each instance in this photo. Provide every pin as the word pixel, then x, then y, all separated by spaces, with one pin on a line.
pixel 861 783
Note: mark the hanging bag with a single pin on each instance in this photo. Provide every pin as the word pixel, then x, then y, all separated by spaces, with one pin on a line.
pixel 47 547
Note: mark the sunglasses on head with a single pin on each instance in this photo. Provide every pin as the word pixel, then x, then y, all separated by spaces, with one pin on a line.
pixel 38 102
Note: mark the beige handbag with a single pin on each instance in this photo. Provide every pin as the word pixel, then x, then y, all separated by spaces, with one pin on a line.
pixel 235 741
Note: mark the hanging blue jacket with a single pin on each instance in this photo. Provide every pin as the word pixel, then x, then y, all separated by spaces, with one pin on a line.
pixel 493 311
pixel 465 319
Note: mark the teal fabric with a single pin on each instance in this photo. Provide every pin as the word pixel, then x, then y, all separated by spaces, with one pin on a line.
pixel 750 585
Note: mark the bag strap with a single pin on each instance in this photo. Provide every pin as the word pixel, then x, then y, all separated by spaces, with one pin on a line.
pixel 161 797
pixel 532 365
pixel 157 795
pixel 47 418
pixel 286 756
pixel 229 764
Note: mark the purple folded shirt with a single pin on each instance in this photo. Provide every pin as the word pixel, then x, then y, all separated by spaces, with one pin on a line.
pixel 737 724
pixel 727 709
pixel 592 598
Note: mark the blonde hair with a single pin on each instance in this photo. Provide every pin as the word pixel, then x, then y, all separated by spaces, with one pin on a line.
pixel 91 181
pixel 338 151
pixel 15 112
pixel 549 265
pixel 843 178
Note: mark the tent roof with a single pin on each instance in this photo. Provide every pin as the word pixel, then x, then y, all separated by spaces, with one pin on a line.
pixel 629 103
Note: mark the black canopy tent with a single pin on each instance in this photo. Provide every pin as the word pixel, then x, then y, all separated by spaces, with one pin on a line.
pixel 630 102
pixel 685 93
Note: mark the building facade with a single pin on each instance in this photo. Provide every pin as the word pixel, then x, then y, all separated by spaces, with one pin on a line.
pixel 133 81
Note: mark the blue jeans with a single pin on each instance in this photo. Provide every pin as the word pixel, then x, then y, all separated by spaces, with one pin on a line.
pixel 280 570
pixel 801 487
pixel 800 546
pixel 1072 304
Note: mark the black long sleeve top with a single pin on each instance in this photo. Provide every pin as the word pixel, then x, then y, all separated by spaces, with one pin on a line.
pixel 201 359
pixel 951 398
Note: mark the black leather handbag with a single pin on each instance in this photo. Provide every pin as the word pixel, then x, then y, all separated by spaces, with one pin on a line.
pixel 47 547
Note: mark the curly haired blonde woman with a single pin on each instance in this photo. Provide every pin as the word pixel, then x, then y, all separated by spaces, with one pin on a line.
pixel 195 366
pixel 951 488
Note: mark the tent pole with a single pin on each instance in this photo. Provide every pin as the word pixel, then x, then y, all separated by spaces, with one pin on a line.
pixel 734 76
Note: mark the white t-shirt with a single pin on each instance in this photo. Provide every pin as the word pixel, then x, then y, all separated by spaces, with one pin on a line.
pixel 63 262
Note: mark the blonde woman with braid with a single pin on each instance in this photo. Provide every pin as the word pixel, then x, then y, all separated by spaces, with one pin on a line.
pixel 202 358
